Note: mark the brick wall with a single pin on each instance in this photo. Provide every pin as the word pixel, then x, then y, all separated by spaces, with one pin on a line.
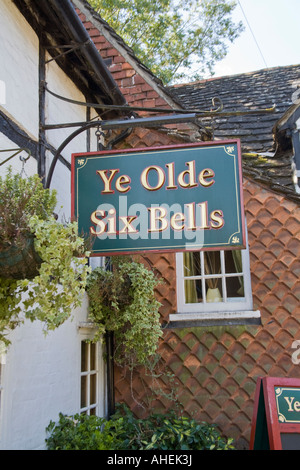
pixel 140 88
pixel 133 86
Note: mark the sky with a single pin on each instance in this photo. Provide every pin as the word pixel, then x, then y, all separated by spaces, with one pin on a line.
pixel 275 25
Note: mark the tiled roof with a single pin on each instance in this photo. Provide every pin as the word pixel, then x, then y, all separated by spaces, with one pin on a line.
pixel 246 93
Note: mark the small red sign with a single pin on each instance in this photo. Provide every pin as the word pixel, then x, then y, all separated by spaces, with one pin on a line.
pixel 276 415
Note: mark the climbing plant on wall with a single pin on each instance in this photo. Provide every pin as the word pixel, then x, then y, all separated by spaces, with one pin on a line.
pixel 122 300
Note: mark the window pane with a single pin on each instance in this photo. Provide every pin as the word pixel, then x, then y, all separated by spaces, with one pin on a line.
pixel 200 272
pixel 93 385
pixel 192 291
pixel 221 275
pixel 93 356
pixel 89 377
pixel 83 391
pixel 191 264
pixel 214 290
pixel 233 261
pixel 235 286
pixel 84 356
pixel 212 262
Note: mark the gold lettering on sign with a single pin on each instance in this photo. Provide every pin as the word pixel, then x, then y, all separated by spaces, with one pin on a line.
pixel 160 177
pixel 107 181
pixel 194 216
pixel 292 406
pixel 188 175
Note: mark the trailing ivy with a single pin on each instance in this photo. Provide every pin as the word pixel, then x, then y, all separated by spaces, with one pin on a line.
pixel 123 301
pixel 26 212
pixel 61 282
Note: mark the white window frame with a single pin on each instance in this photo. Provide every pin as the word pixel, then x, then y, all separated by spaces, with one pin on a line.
pixel 88 374
pixel 1 387
pixel 232 308
pixel 2 363
pixel 87 332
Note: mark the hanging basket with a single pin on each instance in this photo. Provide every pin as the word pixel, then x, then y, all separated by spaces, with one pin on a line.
pixel 20 262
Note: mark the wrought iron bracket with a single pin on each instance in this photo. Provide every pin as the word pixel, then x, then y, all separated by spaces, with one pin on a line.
pixel 16 152
pixel 69 48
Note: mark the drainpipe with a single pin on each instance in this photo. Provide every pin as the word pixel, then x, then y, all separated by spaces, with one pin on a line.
pixel 109 342
pixel 42 106
pixel 67 12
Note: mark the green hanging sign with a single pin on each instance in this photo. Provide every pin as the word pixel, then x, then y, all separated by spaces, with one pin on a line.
pixel 173 198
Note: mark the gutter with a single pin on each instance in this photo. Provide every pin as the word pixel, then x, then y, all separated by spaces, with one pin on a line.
pixel 117 42
pixel 65 10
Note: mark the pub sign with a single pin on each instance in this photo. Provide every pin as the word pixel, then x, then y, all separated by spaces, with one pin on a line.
pixel 173 198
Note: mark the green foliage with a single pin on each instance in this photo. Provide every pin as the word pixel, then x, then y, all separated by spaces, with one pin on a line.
pixel 21 199
pixel 26 210
pixel 174 39
pixel 165 432
pixel 61 282
pixel 78 432
pixel 126 432
pixel 123 301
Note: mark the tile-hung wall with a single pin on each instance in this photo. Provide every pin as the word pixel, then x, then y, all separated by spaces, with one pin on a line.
pixel 215 368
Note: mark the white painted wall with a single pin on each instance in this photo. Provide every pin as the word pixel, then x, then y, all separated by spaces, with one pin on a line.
pixel 28 168
pixel 41 378
pixel 57 112
pixel 19 67
pixel 2 92
pixel 41 374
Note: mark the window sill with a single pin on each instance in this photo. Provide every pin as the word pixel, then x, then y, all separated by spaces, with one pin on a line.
pixel 182 320
pixel 87 328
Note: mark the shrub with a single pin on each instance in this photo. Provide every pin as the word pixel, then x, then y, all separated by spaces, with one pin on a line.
pixel 126 432
pixel 78 432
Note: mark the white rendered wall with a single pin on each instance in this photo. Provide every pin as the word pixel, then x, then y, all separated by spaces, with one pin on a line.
pixel 19 68
pixel 41 376
pixel 19 95
pixel 41 379
pixel 58 112
pixel 29 167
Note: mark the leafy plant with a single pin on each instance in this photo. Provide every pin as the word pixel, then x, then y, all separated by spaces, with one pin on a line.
pixel 123 301
pixel 126 432
pixel 175 40
pixel 165 432
pixel 26 212
pixel 79 432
